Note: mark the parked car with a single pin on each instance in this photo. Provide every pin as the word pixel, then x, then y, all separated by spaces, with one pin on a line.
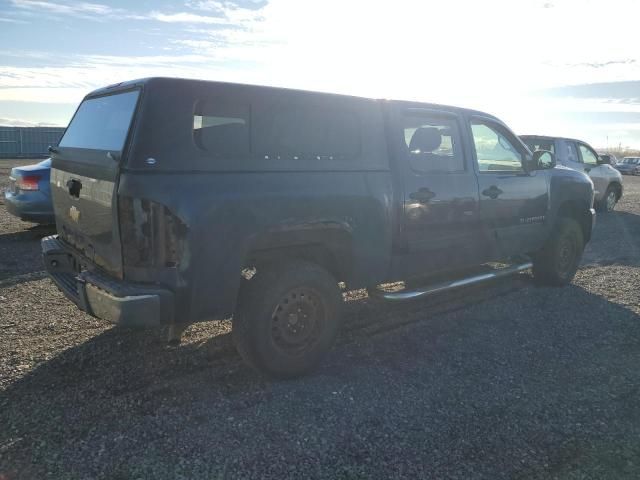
pixel 608 158
pixel 29 196
pixel 629 166
pixel 179 201
pixel 580 156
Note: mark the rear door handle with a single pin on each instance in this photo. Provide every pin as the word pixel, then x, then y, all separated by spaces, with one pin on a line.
pixel 422 196
pixel 492 192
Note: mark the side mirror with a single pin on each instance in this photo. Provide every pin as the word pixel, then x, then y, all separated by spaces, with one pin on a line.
pixel 543 160
pixel 604 160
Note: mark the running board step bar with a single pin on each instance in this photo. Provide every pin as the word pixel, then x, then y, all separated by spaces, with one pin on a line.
pixel 441 287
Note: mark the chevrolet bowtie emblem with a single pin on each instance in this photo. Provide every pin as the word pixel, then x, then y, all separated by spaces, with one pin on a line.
pixel 74 213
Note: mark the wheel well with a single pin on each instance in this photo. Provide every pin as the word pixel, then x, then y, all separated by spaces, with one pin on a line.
pixel 578 213
pixel 336 265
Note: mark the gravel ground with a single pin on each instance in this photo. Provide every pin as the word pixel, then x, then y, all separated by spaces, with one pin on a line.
pixel 506 381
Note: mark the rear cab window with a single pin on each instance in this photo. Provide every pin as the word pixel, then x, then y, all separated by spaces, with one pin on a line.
pixel 102 123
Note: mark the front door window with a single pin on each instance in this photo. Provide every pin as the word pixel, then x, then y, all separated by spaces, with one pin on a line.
pixel 589 158
pixel 494 151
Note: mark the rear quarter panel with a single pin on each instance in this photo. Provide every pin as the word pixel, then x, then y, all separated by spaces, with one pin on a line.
pixel 230 215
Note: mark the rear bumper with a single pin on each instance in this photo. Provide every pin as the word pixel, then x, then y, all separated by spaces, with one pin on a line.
pixel 102 296
pixel 31 207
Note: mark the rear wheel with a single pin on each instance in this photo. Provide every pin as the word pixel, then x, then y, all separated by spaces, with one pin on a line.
pixel 287 318
pixel 556 264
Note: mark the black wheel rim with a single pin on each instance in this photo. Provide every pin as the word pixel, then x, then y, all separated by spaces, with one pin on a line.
pixel 297 321
pixel 567 252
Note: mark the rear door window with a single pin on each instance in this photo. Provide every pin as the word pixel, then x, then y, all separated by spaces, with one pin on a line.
pixel 102 123
pixel 433 144
pixel 572 152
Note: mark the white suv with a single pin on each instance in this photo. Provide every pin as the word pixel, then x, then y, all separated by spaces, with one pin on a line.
pixel 578 155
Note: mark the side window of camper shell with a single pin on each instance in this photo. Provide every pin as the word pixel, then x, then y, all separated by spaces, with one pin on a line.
pixel 222 130
pixel 306 133
pixel 276 132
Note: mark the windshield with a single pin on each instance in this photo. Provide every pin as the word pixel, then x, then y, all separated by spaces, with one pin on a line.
pixel 102 123
pixel 539 144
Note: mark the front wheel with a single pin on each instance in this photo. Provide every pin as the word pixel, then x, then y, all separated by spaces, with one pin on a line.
pixel 609 201
pixel 557 263
pixel 287 318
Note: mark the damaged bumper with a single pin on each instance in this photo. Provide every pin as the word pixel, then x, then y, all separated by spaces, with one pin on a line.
pixel 103 296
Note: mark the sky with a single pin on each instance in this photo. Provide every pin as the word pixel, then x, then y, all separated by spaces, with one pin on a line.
pixel 555 67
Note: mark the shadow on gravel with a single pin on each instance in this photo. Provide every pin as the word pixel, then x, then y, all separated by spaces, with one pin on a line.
pixel 11 279
pixel 615 241
pixel 33 233
pixel 20 254
pixel 550 346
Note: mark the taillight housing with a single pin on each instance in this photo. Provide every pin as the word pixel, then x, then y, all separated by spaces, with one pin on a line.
pixel 28 182
pixel 152 236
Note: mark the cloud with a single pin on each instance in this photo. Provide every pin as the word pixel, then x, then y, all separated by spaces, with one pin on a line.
pixel 185 17
pixel 84 10
pixel 613 91
pixel 603 64
pixel 228 12
pixel 221 6
pixel 11 20
pixel 14 122
pixel 207 5
pixel 80 8
pixel 68 79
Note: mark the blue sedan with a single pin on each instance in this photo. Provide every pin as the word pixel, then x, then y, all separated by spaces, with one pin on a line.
pixel 29 195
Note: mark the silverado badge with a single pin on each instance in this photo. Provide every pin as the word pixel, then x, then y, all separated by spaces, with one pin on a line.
pixel 74 213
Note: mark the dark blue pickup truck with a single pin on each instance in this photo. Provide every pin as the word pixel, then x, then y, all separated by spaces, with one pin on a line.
pixel 178 201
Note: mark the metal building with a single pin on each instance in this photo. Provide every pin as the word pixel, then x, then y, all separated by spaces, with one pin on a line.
pixel 28 142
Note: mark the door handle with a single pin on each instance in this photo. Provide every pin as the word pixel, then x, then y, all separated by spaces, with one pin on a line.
pixel 74 187
pixel 492 192
pixel 422 196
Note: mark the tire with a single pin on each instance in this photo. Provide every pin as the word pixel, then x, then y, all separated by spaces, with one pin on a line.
pixel 609 200
pixel 287 318
pixel 557 263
